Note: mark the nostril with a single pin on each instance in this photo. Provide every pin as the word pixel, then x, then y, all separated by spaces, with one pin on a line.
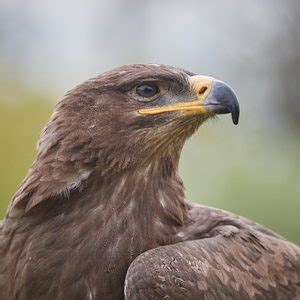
pixel 202 90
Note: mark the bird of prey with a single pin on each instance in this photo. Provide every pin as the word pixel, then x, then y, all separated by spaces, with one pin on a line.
pixel 101 213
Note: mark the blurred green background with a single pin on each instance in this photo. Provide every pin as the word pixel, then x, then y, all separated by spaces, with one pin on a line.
pixel 252 169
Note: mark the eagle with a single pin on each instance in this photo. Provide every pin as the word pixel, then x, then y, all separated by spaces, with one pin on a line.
pixel 102 214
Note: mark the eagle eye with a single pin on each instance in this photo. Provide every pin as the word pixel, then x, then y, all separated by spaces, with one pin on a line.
pixel 147 90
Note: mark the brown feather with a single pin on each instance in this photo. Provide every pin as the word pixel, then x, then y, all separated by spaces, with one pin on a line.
pixel 232 260
pixel 104 189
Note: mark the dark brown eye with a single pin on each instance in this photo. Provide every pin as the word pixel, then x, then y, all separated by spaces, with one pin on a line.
pixel 147 90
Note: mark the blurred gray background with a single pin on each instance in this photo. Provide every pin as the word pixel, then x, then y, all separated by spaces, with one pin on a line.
pixel 47 47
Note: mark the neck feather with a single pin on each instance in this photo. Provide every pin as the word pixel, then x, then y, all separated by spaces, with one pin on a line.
pixel 154 192
pixel 147 201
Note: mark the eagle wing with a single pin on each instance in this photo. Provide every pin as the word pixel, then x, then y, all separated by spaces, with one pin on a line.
pixel 237 260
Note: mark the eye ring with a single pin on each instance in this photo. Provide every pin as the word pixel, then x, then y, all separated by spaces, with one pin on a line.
pixel 147 90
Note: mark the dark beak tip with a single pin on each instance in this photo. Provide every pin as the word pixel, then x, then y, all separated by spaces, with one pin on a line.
pixel 235 114
pixel 235 119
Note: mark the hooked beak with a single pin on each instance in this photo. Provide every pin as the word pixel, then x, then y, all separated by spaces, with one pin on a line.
pixel 222 100
pixel 212 97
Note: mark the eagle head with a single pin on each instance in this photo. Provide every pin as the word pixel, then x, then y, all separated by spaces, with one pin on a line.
pixel 130 117
pixel 135 112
